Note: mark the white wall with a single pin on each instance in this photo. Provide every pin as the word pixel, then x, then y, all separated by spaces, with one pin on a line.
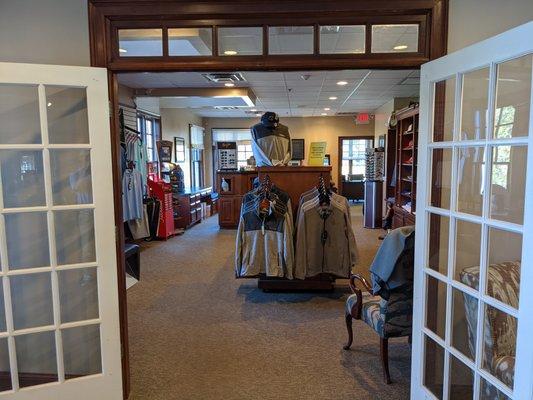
pixel 175 123
pixel 473 20
pixel 44 31
pixel 312 129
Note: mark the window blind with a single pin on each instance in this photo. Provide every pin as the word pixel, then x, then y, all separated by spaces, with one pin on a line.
pixel 197 137
pixel 231 135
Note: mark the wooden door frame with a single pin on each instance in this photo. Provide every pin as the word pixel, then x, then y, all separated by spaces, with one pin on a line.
pixel 339 154
pixel 105 16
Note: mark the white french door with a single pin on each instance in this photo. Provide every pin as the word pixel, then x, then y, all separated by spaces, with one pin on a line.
pixel 473 316
pixel 59 325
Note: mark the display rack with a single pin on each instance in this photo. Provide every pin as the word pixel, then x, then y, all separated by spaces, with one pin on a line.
pixel 406 166
pixel 295 181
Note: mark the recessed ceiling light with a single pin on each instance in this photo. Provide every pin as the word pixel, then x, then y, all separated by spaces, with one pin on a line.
pixel 327 109
pixel 324 114
pixel 229 84
pixel 230 53
pixel 400 47
pixel 342 83
pixel 122 50
pixel 333 98
pixel 49 104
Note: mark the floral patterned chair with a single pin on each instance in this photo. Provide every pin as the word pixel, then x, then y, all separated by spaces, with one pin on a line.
pixel 499 331
pixel 388 318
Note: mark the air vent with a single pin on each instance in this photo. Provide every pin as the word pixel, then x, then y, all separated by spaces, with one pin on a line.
pixel 346 113
pixel 224 77
pixel 226 108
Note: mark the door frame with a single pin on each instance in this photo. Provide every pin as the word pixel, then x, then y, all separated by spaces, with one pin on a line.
pixel 339 155
pixel 503 47
pixel 106 15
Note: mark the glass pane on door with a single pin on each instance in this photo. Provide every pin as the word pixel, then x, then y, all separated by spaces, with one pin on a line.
pixel 475 104
pixel 513 98
pixel 19 114
pixel 443 117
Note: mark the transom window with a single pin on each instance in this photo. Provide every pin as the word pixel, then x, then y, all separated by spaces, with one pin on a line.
pixel 269 40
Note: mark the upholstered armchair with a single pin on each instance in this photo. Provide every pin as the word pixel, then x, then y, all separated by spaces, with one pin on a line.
pixel 499 338
pixel 388 318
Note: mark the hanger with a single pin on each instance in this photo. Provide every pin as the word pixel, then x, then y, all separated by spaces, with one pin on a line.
pixel 323 192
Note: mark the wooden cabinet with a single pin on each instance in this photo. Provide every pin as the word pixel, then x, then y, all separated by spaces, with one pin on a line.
pixel 404 173
pixel 229 200
pixel 188 207
pixel 229 211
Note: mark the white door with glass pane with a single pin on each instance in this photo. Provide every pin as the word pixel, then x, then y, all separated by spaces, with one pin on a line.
pixel 59 329
pixel 473 316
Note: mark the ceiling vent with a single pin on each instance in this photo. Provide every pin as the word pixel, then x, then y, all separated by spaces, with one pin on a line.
pixel 346 113
pixel 224 77
pixel 226 108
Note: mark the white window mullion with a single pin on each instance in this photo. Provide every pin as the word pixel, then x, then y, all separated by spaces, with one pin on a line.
pixel 8 308
pixel 524 345
pixel 51 233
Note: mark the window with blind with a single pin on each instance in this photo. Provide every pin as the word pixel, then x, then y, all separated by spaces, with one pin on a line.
pixel 243 138
pixel 353 156
pixel 197 155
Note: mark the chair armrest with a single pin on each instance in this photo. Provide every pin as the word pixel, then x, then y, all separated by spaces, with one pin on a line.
pixel 357 277
pixel 358 292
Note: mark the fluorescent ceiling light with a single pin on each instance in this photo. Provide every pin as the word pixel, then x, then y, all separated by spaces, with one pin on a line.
pixel 333 98
pixel 400 47
pixel 342 83
pixel 122 50
pixel 327 109
pixel 324 114
pixel 254 110
pixel 229 84
pixel 258 114
pixel 230 53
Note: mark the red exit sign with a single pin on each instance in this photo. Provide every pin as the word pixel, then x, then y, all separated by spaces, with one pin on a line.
pixel 362 118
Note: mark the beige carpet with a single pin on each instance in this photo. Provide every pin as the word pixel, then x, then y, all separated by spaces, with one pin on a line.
pixel 197 333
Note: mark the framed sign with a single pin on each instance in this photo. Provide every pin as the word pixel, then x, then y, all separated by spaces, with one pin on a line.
pixel 298 149
pixel 164 148
pixel 179 149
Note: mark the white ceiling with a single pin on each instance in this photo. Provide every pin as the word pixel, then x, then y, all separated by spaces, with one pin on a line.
pixel 288 94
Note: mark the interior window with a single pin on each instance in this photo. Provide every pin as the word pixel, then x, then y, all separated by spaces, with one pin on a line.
pixel 149 126
pixel 354 156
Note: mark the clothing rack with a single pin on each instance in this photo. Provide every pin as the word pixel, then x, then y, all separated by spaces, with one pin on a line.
pixel 296 181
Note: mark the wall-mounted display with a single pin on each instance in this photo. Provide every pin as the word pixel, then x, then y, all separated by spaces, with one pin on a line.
pixel 298 149
pixel 164 149
pixel 227 155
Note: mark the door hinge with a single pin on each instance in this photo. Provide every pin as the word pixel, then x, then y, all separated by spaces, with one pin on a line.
pixel 110 109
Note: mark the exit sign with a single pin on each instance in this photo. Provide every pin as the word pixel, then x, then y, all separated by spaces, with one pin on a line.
pixel 362 119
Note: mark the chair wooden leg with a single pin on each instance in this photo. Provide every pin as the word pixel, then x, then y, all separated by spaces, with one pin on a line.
pixel 350 331
pixel 384 350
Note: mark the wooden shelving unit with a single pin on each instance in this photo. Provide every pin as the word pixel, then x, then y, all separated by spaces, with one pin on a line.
pixel 406 167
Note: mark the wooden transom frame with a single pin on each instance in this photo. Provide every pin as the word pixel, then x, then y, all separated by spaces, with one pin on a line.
pixel 108 16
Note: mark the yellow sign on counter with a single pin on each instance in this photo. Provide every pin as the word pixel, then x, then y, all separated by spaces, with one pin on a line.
pixel 317 153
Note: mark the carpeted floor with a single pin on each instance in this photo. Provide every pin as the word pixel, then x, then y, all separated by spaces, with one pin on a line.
pixel 198 333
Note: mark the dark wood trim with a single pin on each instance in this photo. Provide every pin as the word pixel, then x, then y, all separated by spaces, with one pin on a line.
pixel 106 17
pixel 119 231
pixel 339 155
